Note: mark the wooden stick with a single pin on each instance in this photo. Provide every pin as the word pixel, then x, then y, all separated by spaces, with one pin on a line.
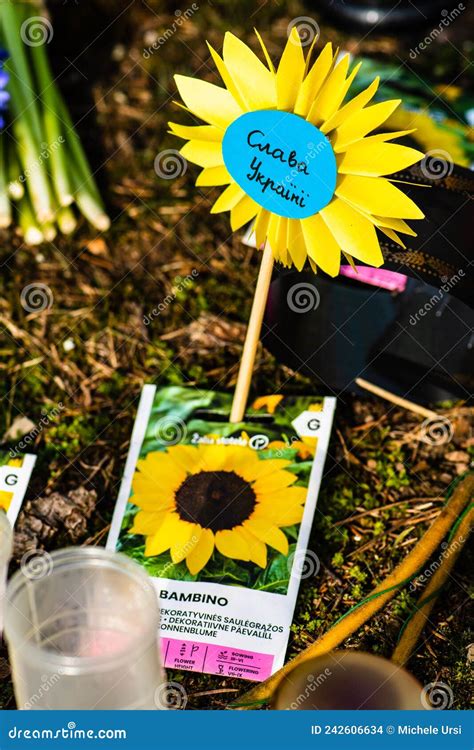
pixel 382 594
pixel 398 400
pixel 414 628
pixel 252 337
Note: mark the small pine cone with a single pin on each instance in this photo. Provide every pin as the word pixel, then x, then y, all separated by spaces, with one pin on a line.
pixel 55 515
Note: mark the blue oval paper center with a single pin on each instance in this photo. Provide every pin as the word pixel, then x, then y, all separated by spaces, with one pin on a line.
pixel 281 161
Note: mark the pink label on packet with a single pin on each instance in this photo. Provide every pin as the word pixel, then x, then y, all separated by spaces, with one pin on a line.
pixel 394 282
pixel 205 657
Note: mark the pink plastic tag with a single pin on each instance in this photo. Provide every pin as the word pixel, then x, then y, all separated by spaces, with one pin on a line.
pixel 394 282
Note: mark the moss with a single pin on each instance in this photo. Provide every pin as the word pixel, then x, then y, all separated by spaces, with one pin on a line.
pixel 70 436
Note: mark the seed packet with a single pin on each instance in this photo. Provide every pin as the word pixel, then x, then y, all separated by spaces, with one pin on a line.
pixel 220 514
pixel 15 474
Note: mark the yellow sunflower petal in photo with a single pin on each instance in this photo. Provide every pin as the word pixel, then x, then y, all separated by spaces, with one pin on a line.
pixel 226 500
pixel 295 155
pixel 5 500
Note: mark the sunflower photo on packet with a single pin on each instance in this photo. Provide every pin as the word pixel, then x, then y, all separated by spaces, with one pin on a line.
pixel 219 515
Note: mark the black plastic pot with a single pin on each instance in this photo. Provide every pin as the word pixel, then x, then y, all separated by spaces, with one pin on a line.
pixel 419 342
pixel 386 15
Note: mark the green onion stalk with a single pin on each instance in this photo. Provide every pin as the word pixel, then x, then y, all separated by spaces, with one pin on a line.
pixel 45 177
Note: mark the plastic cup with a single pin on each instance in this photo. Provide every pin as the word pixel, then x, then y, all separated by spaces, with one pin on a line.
pixel 349 680
pixel 82 632
pixel 6 543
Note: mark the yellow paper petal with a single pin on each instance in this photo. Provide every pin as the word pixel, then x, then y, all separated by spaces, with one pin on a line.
pixel 261 227
pixel 290 71
pixel 265 52
pixel 397 224
pixel 196 132
pixel 227 78
pixel 255 83
pixel 330 110
pixel 203 153
pixel 296 244
pixel 313 81
pixel 350 260
pixel 198 558
pixel 393 236
pixel 322 247
pixel 331 94
pixel 232 544
pixel 228 199
pixel 309 57
pixel 379 137
pixel 352 106
pixel 243 212
pixel 211 103
pixel 354 233
pixel 277 237
pixel 372 158
pixel 361 123
pixel 376 195
pixel 213 176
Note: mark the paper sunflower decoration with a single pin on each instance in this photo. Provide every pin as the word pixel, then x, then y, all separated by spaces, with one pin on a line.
pixel 295 157
pixel 195 501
